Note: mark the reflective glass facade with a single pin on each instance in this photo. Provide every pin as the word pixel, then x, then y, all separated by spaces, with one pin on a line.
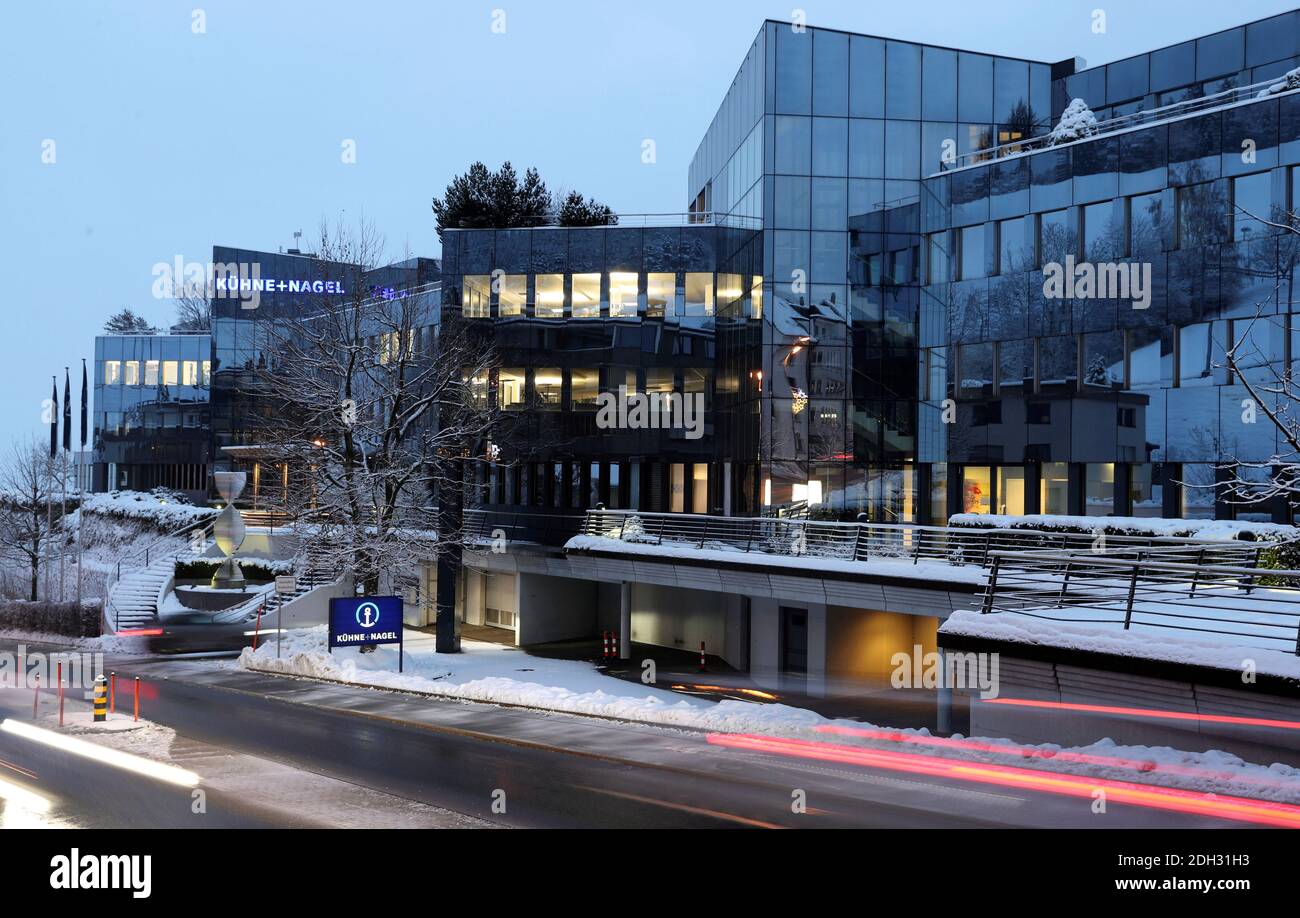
pixel 151 420
pixel 581 312
pixel 1128 404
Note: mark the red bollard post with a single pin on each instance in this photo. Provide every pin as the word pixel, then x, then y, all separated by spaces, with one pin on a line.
pixel 36 695
pixel 258 630
pixel 137 697
pixel 703 666
pixel 112 693
pixel 60 693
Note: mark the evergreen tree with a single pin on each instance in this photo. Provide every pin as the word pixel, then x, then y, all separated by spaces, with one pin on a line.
pixel 127 322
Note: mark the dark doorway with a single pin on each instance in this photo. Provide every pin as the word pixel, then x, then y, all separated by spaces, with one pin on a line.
pixel 794 643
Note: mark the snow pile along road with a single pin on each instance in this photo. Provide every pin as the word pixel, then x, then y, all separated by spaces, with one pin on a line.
pixel 490 673
pixel 505 675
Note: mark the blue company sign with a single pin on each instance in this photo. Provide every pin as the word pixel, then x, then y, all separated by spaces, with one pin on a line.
pixel 365 620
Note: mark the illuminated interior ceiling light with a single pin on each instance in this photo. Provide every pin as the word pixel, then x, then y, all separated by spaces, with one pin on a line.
pixel 799 402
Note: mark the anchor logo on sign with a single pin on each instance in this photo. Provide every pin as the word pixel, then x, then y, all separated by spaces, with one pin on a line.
pixel 367 615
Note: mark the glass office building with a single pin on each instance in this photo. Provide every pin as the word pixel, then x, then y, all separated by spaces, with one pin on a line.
pixel 151 413
pixel 857 293
pixel 244 334
pixel 913 366
pixel 1099 404
pixel 630 311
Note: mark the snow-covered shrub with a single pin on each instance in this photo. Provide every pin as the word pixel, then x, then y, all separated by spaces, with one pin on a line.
pixel 1290 80
pixel 255 569
pixel 634 530
pixel 1077 122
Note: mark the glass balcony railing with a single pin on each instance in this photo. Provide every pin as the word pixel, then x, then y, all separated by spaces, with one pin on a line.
pixel 1239 95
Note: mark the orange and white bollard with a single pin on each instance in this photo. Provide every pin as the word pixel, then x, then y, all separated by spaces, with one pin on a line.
pixel 60 677
pixel 258 630
pixel 36 694
pixel 137 697
pixel 112 693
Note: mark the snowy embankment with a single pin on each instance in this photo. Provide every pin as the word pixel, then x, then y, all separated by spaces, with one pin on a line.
pixel 489 673
pixel 159 512
pixel 1159 640
pixel 924 569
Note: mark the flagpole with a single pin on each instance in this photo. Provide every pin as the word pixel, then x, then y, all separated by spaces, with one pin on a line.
pixel 49 475
pixel 63 486
pixel 82 483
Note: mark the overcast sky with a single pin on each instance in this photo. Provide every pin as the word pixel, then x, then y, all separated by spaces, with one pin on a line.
pixel 167 141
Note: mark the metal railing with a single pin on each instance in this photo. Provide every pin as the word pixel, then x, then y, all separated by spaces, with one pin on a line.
pixel 669 219
pixel 906 541
pixel 1151 592
pixel 542 528
pixel 1234 96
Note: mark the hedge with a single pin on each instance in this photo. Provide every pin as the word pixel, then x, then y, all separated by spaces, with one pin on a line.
pixel 50 617
pixel 253 568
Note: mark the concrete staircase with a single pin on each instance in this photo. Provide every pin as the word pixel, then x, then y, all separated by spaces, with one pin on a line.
pixel 133 600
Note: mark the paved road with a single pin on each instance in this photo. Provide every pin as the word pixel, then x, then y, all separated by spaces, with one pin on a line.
pixel 541 769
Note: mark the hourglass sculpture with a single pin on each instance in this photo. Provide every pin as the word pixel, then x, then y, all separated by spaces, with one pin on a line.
pixel 229 531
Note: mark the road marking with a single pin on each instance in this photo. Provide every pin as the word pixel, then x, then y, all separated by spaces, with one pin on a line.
pixel 682 807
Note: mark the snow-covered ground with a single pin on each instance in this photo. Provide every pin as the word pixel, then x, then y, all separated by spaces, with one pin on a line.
pixel 1098 630
pixel 924 569
pixel 506 675
pixel 1210 530
pixel 496 673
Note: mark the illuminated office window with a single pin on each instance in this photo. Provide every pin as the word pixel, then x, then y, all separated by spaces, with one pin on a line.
pixel 131 373
pixel 730 295
pixel 550 296
pixel 207 372
pixel 700 488
pixel 584 387
pixel 586 296
pixel 699 294
pixel 151 372
pixel 660 295
pixel 659 379
pixel 477 296
pixel 190 373
pixel 622 294
pixel 112 372
pixel 510 389
pixel 478 390
pixel 548 383
pixel 756 298
pixel 512 295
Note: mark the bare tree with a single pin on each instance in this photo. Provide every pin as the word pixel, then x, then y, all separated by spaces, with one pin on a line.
pixel 28 489
pixel 378 398
pixel 1267 374
pixel 193 310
